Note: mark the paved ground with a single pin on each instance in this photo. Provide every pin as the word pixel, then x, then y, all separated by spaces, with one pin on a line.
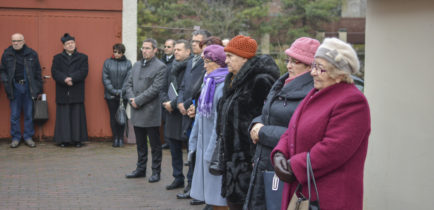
pixel 91 177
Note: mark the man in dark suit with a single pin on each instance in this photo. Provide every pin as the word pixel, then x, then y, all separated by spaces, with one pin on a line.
pixel 167 59
pixel 191 84
pixel 173 128
pixel 147 78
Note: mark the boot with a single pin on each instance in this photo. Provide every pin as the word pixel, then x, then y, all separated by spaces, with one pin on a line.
pixel 115 142
pixel 121 142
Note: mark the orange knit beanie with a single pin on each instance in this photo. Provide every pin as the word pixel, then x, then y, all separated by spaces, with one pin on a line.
pixel 242 46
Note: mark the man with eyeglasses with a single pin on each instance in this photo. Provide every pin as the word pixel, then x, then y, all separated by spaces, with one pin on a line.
pixel 20 73
pixel 147 78
pixel 167 58
pixel 191 84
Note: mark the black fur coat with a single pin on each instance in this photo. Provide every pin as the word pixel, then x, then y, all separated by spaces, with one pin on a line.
pixel 243 97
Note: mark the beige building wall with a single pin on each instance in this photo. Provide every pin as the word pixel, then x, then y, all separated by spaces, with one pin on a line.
pixel 129 28
pixel 399 85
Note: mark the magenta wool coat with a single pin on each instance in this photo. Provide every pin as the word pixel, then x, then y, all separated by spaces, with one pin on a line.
pixel 334 125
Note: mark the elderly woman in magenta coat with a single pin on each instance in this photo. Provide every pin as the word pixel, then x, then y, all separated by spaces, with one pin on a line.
pixel 333 124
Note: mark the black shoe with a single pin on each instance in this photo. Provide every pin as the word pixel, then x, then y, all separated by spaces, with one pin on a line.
pixel 183 195
pixel 196 202
pixel 120 142
pixel 61 145
pixel 207 207
pixel 78 145
pixel 115 142
pixel 186 189
pixel 135 174
pixel 165 146
pixel 175 184
pixel 154 178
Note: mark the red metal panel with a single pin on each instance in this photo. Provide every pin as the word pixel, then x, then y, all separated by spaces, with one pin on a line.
pixel 113 5
pixel 95 33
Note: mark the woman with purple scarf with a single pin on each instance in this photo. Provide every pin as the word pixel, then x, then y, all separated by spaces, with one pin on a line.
pixel 205 186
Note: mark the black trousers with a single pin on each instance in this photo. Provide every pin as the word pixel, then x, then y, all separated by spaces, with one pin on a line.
pixel 117 130
pixel 177 163
pixel 142 135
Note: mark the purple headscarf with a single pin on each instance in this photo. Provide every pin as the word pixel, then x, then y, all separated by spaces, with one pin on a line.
pixel 206 98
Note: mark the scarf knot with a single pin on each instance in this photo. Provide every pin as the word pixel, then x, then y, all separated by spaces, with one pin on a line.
pixel 206 98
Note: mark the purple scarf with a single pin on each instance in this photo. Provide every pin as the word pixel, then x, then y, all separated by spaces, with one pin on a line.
pixel 206 98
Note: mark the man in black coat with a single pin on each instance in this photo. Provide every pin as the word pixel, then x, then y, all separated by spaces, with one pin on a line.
pixel 168 58
pixel 20 73
pixel 69 70
pixel 191 84
pixel 173 128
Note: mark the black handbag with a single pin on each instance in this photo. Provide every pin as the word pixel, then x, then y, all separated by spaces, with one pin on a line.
pixel 298 200
pixel 273 190
pixel 121 114
pixel 40 111
pixel 216 166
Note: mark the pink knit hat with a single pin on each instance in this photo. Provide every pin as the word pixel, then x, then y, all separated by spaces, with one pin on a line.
pixel 303 49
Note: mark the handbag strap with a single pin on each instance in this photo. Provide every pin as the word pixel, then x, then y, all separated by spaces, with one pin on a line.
pixel 310 176
pixel 121 100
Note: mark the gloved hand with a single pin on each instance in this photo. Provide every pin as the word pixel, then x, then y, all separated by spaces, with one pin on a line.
pixel 282 168
pixel 190 156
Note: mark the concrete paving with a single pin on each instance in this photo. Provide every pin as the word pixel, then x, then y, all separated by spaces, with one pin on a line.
pixel 91 177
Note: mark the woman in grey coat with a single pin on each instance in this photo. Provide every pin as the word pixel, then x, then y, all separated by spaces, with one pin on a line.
pixel 284 97
pixel 205 186
pixel 114 76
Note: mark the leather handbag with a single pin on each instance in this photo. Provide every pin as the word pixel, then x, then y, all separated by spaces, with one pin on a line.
pixel 215 165
pixel 40 111
pixel 273 190
pixel 298 201
pixel 121 114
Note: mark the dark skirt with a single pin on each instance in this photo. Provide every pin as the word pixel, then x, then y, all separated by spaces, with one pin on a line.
pixel 70 123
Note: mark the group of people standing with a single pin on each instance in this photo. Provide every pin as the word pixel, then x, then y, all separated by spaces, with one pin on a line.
pixel 20 72
pixel 238 117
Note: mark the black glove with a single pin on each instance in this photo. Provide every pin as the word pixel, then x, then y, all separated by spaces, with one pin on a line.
pixel 282 168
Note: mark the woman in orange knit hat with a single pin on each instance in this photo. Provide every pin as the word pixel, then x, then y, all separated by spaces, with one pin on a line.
pixel 249 80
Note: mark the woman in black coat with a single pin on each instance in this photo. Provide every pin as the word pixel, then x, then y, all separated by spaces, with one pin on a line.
pixel 249 80
pixel 69 70
pixel 114 76
pixel 283 99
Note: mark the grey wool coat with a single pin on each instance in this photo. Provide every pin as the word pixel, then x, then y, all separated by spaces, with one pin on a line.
pixel 203 139
pixel 144 84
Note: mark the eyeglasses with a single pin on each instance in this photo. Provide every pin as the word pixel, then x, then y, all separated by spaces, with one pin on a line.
pixel 14 41
pixel 292 61
pixel 145 48
pixel 206 61
pixel 117 52
pixel 316 67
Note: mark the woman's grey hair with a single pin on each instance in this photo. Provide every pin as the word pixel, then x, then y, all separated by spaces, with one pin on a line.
pixel 152 41
pixel 335 73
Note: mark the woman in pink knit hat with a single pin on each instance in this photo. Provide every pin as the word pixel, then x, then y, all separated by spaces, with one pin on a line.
pixel 283 99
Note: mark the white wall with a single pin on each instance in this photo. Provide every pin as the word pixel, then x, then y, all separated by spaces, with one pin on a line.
pixel 399 85
pixel 129 28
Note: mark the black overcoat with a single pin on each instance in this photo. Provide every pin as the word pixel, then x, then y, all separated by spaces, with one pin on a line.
pixel 243 97
pixel 173 120
pixel 277 111
pixel 75 66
